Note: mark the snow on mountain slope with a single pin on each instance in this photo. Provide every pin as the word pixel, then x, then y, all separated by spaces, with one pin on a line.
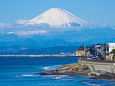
pixel 57 17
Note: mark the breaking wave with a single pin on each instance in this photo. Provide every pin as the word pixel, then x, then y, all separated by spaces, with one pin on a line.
pixel 26 75
pixel 51 68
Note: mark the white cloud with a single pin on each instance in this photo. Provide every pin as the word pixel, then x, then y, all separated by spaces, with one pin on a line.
pixel 30 32
pixel 10 32
pixel 3 25
pixel 43 31
pixel 22 21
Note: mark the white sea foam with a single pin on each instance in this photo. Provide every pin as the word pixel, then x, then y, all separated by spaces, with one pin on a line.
pixel 46 68
pixel 26 75
pixel 50 68
pixel 56 77
pixel 93 84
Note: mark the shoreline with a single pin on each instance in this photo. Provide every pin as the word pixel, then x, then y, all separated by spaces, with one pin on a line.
pixel 77 70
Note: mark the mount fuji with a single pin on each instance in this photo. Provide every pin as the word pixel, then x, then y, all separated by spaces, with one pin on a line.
pixel 56 17
pixel 55 27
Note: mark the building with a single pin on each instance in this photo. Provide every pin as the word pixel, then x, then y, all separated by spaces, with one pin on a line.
pixel 99 50
pixel 111 46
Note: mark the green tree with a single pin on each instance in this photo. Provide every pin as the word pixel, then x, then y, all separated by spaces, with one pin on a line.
pixel 113 51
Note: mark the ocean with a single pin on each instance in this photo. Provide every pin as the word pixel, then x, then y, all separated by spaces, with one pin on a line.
pixel 19 71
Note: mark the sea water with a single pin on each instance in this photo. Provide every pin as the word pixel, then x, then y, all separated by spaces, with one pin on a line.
pixel 19 71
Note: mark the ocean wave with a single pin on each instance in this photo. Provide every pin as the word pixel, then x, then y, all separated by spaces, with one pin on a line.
pixel 26 75
pixel 65 78
pixel 51 68
pixel 46 68
pixel 57 77
pixel 93 83
pixel 54 75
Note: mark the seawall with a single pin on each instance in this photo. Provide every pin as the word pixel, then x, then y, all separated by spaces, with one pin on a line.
pixel 96 65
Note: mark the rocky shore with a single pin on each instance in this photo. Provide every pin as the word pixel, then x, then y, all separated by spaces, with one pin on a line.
pixel 69 69
pixel 78 70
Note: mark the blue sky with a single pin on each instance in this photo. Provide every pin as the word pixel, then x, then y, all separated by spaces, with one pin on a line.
pixel 95 11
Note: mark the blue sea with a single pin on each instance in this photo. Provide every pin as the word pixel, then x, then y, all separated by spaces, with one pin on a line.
pixel 19 71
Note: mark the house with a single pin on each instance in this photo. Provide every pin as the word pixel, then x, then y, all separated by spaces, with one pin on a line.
pixel 111 46
pixel 99 50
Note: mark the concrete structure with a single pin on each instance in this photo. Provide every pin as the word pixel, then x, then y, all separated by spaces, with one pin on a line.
pixel 111 46
pixel 105 66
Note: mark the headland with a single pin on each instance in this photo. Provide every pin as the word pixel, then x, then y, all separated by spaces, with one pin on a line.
pixel 102 70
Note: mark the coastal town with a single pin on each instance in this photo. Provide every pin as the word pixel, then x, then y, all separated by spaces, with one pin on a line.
pixel 101 51
pixel 99 58
pixel 96 62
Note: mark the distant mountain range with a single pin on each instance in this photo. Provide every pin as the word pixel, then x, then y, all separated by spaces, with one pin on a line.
pixel 17 50
pixel 55 27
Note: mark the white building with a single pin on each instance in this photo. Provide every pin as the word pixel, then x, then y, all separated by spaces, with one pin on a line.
pixel 111 46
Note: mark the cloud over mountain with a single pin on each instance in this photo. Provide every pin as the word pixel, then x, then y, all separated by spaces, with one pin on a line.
pixel 53 19
pixel 54 24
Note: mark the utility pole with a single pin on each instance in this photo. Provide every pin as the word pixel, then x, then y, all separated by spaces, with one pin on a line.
pixel 106 46
pixel 104 50
pixel 84 50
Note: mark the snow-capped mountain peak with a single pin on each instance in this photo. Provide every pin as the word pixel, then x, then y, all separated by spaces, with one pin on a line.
pixel 57 17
